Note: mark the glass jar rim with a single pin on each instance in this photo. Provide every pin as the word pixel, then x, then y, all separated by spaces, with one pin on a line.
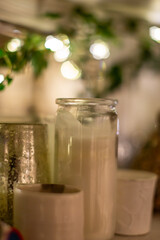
pixel 87 101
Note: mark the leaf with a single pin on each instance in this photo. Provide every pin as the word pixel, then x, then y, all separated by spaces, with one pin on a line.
pixel 52 15
pixel 70 32
pixel 9 79
pixel 2 53
pixel 104 30
pixel 87 17
pixel 39 62
pixel 33 42
pixel 146 50
pixel 115 75
pixel 132 25
pixel 2 87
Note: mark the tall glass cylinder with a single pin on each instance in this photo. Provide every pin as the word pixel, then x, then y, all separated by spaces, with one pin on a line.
pixel 23 159
pixel 85 156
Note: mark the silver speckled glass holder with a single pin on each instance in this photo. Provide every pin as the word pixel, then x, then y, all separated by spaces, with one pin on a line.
pixel 23 159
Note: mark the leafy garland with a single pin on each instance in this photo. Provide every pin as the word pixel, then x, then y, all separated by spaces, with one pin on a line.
pixel 84 28
pixel 32 51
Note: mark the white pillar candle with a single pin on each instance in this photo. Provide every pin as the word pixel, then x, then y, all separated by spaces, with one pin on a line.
pixel 87 160
pixel 134 201
pixel 49 211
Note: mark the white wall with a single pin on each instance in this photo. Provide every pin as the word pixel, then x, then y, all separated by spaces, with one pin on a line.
pixel 26 92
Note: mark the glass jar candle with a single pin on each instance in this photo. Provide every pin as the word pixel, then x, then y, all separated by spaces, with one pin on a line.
pixel 86 157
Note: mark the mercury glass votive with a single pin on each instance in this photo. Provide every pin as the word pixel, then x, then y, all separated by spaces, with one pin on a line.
pixel 23 159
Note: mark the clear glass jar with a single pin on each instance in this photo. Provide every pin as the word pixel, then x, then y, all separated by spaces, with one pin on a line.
pixel 86 157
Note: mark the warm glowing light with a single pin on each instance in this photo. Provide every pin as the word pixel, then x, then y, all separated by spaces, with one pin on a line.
pixel 62 54
pixel 70 70
pixel 53 43
pixel 99 50
pixel 1 78
pixel 154 33
pixel 64 38
pixel 14 45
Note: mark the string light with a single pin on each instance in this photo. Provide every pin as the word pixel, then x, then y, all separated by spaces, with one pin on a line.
pixel 53 43
pixel 14 45
pixel 154 33
pixel 64 38
pixel 62 54
pixel 99 50
pixel 1 78
pixel 70 70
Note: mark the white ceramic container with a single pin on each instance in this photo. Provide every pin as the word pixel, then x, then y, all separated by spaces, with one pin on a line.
pixel 135 201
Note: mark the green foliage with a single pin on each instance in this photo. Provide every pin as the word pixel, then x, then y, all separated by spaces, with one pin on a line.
pixel 9 79
pixel 52 15
pixel 83 28
pixel 4 59
pixel 101 27
pixel 2 53
pixel 104 30
pixel 85 16
pixel 32 51
pixel 146 51
pixel 39 62
pixel 131 25
pixel 2 86
pixel 116 78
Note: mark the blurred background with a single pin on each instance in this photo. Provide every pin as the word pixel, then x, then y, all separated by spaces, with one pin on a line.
pixel 85 48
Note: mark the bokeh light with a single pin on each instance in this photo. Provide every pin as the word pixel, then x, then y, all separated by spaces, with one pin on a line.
pixel 70 70
pixel 64 38
pixel 14 45
pixel 154 33
pixel 62 54
pixel 53 43
pixel 99 50
pixel 1 78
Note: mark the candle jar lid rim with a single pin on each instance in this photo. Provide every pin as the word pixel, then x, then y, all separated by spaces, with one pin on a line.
pixel 44 189
pixel 29 124
pixel 135 175
pixel 87 101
